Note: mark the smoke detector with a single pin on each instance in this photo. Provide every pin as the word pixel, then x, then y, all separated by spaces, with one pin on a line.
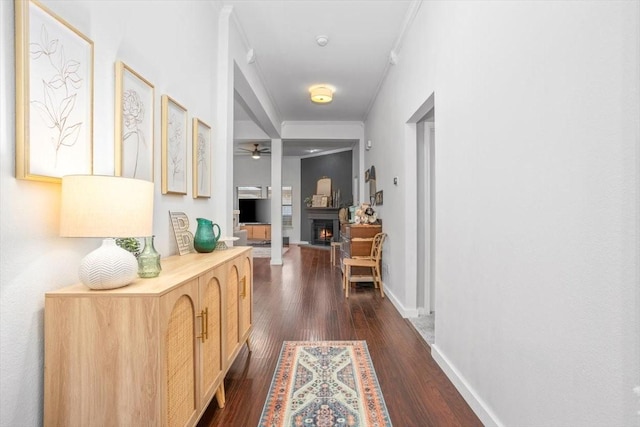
pixel 322 40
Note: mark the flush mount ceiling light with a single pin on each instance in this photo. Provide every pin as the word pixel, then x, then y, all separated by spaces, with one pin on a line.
pixel 321 94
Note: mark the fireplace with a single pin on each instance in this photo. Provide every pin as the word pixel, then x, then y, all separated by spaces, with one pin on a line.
pixel 322 232
pixel 324 226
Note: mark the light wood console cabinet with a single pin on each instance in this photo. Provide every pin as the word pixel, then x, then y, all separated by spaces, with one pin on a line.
pixel 257 231
pixel 153 353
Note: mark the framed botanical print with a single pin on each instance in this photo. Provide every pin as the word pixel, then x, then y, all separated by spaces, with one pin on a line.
pixel 174 147
pixel 134 124
pixel 201 159
pixel 54 95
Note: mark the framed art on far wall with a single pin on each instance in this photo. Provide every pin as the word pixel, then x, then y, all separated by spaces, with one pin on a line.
pixel 201 159
pixel 134 124
pixel 174 147
pixel 54 96
pixel 378 198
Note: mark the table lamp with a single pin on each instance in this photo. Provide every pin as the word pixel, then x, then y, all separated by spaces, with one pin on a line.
pixel 108 207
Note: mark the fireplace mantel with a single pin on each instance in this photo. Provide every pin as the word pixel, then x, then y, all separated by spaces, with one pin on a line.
pixel 322 213
pixel 317 209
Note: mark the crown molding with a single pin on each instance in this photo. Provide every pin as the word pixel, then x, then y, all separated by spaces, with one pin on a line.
pixel 326 153
pixel 409 17
pixel 321 123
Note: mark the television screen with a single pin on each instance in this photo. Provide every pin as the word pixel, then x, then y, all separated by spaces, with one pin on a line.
pixel 255 211
pixel 247 210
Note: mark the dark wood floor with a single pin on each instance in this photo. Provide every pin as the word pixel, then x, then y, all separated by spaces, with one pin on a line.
pixel 302 300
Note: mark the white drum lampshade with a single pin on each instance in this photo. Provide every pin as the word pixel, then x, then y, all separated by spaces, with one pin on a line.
pixel 106 206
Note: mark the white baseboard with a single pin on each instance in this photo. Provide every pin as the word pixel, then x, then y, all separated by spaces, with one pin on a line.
pixel 478 406
pixel 404 312
pixel 423 311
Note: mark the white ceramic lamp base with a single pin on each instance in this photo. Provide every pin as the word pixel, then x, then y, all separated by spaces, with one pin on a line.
pixel 108 267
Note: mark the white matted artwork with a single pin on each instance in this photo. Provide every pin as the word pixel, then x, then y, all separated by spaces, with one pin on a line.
pixel 201 159
pixel 174 147
pixel 134 124
pixel 319 201
pixel 54 96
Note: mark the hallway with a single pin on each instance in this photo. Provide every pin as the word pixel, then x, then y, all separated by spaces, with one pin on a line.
pixel 302 300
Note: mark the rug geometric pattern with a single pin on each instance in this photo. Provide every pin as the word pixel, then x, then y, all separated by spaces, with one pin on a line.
pixel 325 384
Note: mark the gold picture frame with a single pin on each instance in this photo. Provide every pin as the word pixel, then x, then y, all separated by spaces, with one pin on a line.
pixel 174 147
pixel 201 159
pixel 54 95
pixel 134 107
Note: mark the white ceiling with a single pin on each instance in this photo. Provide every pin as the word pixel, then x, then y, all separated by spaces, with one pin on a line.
pixel 282 33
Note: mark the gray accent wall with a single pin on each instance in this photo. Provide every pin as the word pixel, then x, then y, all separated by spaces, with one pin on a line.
pixel 338 167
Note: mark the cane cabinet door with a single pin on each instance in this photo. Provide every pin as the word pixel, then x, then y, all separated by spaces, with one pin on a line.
pixel 210 317
pixel 232 312
pixel 178 311
pixel 246 295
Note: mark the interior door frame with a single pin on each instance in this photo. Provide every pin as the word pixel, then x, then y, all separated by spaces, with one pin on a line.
pixel 425 195
pixel 430 216
pixel 414 139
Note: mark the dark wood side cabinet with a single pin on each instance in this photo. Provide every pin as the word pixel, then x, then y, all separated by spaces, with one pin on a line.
pixel 356 241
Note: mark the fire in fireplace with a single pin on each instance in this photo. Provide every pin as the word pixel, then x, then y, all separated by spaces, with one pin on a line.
pixel 322 232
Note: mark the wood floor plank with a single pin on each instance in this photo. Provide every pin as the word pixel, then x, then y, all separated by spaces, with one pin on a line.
pixel 303 300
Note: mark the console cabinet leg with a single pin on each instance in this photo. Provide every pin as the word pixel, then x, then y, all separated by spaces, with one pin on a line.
pixel 220 396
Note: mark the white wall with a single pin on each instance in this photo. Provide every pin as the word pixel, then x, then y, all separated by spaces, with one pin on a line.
pixel 33 258
pixel 537 131
pixel 250 172
pixel 235 74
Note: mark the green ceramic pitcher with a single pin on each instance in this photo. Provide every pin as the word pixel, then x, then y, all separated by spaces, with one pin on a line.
pixel 206 239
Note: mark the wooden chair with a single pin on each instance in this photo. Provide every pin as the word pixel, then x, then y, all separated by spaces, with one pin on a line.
pixel 372 262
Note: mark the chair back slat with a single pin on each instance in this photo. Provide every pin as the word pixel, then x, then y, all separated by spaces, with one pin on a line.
pixel 376 247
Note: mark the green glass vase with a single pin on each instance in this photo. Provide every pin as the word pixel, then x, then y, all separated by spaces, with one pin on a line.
pixel 149 260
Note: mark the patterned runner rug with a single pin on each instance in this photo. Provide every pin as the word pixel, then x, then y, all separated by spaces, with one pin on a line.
pixel 325 384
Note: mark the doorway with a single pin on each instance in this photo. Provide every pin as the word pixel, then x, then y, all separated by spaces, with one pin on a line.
pixel 425 196
pixel 425 145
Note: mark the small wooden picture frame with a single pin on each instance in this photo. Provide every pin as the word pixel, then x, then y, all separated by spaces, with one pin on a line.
pixel 378 198
pixel 319 201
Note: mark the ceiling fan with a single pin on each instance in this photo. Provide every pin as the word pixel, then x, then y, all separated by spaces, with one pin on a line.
pixel 257 152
